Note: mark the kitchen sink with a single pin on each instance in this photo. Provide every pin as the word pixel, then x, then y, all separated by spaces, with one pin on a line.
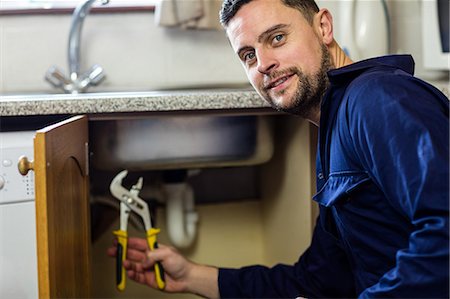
pixel 174 142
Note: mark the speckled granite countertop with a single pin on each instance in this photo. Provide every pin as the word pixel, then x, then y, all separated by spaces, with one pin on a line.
pixel 97 103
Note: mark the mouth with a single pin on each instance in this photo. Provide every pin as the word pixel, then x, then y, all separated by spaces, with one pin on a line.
pixel 278 83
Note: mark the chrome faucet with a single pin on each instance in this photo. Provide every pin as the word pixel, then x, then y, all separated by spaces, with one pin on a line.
pixel 76 82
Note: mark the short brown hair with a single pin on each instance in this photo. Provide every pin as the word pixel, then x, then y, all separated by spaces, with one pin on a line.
pixel 308 8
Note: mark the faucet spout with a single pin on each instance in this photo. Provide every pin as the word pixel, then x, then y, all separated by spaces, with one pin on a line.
pixel 76 82
pixel 79 14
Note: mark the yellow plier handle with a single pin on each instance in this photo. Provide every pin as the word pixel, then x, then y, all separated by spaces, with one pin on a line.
pixel 159 270
pixel 122 238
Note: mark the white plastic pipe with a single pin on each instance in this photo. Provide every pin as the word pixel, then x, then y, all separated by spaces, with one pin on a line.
pixel 181 216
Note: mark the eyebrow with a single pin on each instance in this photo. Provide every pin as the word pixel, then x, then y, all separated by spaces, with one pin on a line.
pixel 270 31
pixel 263 36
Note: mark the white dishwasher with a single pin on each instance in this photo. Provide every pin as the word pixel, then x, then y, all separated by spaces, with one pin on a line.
pixel 18 262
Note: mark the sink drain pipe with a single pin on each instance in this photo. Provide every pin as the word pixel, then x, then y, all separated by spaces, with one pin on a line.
pixel 180 213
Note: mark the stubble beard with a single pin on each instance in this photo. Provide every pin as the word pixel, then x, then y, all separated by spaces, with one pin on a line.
pixel 310 90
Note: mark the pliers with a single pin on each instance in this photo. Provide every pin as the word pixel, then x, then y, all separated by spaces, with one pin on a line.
pixel 130 201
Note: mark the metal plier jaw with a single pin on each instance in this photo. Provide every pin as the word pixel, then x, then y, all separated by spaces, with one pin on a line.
pixel 130 201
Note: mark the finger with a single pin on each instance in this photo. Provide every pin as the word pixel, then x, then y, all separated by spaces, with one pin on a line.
pixel 135 255
pixel 137 243
pixel 111 251
pixel 156 255
pixel 139 277
pixel 132 254
pixel 134 276
pixel 129 265
pixel 142 277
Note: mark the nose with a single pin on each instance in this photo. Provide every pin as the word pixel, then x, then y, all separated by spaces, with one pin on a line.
pixel 266 61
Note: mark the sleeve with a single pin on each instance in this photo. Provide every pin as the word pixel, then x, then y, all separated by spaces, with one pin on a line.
pixel 322 271
pixel 400 129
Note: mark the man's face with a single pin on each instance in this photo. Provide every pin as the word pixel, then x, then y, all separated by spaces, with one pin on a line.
pixel 284 57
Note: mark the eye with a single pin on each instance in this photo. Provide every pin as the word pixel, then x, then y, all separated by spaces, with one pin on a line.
pixel 248 57
pixel 279 38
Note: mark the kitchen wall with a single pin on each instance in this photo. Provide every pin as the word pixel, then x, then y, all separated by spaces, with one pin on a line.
pixel 405 33
pixel 137 55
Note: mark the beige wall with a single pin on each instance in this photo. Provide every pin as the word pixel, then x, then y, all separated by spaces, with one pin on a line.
pixel 137 55
pixel 276 228
pixel 286 183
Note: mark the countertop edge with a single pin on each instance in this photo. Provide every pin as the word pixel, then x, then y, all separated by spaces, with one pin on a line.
pixel 129 102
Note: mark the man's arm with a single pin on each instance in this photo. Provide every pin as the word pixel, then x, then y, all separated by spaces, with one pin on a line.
pixel 203 281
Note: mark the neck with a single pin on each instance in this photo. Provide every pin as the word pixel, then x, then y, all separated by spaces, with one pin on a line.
pixel 339 59
pixel 338 55
pixel 314 117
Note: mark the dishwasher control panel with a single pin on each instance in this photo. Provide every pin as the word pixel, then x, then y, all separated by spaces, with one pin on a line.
pixel 13 186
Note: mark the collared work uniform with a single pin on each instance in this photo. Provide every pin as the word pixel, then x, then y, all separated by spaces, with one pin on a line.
pixel 383 191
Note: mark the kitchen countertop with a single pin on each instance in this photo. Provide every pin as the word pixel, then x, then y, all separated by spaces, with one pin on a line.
pixel 114 102
pixel 132 102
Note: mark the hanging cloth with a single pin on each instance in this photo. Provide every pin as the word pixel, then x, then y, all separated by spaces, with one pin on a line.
pixel 188 14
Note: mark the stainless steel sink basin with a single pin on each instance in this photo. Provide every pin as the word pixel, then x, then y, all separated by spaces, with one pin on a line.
pixel 163 141
pixel 170 142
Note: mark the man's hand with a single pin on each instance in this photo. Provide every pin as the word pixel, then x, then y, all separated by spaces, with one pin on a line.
pixel 181 275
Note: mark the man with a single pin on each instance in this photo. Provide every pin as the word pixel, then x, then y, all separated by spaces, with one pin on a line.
pixel 382 167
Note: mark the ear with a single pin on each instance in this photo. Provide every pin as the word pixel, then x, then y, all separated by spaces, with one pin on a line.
pixel 323 22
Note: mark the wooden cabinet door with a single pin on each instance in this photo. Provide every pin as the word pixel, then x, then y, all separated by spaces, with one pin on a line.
pixel 62 209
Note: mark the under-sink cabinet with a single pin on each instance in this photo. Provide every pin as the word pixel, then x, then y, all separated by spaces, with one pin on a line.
pixel 61 168
pixel 64 167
